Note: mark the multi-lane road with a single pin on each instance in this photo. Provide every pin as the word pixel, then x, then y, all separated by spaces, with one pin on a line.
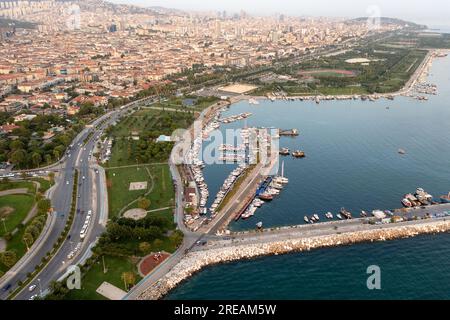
pixel 92 196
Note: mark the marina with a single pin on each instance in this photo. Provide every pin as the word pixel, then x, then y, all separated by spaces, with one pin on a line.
pixel 340 146
pixel 352 162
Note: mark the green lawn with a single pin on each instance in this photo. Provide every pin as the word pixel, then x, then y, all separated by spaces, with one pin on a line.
pixel 17 185
pixel 160 182
pixel 45 184
pixel 21 205
pixel 95 277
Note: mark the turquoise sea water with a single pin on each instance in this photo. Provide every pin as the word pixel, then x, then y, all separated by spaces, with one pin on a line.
pixel 352 161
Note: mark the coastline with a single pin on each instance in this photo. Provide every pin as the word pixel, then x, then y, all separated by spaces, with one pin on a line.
pixel 196 261
pixel 419 76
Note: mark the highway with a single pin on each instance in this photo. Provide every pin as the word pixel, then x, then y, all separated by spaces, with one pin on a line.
pixel 92 195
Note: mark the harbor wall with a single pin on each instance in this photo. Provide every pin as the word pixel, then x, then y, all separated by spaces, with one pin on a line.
pixel 197 260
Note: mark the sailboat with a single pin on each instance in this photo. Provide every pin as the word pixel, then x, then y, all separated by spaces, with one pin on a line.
pixel 281 179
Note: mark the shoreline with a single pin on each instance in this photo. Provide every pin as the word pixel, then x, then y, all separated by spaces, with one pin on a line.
pixel 417 77
pixel 196 261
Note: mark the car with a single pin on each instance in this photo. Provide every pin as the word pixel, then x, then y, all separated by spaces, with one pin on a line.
pixel 34 297
pixel 32 288
pixel 67 182
pixel 7 287
pixel 84 178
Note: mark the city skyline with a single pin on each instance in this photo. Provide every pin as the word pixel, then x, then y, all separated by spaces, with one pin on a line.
pixel 414 10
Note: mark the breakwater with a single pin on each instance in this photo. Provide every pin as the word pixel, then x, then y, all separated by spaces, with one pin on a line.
pixel 196 261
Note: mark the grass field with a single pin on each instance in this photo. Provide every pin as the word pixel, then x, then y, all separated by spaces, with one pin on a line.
pixel 388 71
pixel 21 204
pixel 159 183
pixel 201 103
pixel 17 185
pixel 95 277
pixel 147 125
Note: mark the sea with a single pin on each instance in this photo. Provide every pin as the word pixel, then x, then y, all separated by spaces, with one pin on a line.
pixel 353 162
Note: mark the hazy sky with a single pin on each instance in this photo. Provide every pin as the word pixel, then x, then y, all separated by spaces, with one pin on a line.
pixel 435 12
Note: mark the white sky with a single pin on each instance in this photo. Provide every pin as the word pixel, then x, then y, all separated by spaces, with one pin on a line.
pixel 432 12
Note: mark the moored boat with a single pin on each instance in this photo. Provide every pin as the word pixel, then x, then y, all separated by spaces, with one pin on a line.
pixel 406 203
pixel 299 154
pixel 445 199
pixel 346 214
pixel 266 196
pixel 285 152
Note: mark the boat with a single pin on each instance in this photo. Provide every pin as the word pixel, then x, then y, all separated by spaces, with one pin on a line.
pixel 291 132
pixel 329 215
pixel 378 214
pixel 316 217
pixel 445 199
pixel 281 179
pixel 276 185
pixel 299 154
pixel 266 196
pixel 406 203
pixel 253 101
pixel 259 225
pixel 285 152
pixel 339 216
pixel 363 214
pixel 257 203
pixel 401 151
pixel 346 214
pixel 306 219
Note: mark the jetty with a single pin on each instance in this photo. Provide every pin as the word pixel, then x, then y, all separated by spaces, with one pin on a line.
pixel 279 241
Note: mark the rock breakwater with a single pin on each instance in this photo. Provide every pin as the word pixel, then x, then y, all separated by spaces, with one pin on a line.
pixel 197 260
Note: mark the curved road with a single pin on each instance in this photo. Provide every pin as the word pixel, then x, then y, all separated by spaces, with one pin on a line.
pixel 92 195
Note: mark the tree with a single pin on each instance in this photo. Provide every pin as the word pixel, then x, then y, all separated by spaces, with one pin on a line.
pixel 44 205
pixel 128 279
pixel 145 247
pixel 144 203
pixel 28 239
pixel 36 158
pixel 51 176
pixel 18 157
pixel 16 145
pixel 8 258
pixel 56 154
pixel 177 238
pixel 48 158
pixel 157 244
pixel 58 290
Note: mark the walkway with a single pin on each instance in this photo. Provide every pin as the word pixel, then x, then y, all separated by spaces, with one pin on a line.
pixel 13 191
pixel 2 244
